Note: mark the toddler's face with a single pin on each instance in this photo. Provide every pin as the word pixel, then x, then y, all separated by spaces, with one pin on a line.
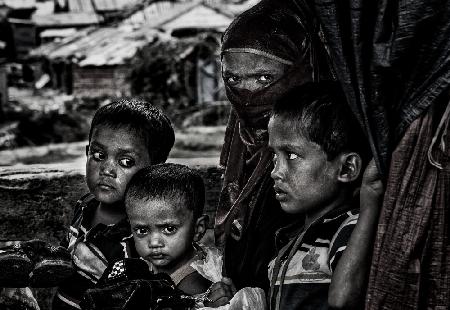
pixel 114 156
pixel 305 181
pixel 163 231
pixel 250 71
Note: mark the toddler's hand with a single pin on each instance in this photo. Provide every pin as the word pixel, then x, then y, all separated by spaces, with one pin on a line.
pixel 220 293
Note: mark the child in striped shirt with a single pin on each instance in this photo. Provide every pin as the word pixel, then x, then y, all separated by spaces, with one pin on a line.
pixel 318 154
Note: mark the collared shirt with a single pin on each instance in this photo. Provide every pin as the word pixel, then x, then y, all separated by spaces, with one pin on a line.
pixel 186 269
pixel 315 252
pixel 92 250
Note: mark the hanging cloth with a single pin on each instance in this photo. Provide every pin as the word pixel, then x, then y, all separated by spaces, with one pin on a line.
pixel 393 61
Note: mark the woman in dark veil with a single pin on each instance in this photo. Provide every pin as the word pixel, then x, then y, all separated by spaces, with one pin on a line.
pixel 266 51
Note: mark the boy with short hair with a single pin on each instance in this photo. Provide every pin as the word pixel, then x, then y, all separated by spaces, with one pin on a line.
pixel 318 149
pixel 164 204
pixel 124 137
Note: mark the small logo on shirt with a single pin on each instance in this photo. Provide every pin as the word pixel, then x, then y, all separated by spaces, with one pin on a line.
pixel 310 261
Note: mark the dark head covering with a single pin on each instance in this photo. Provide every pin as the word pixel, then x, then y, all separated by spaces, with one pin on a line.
pixel 273 30
pixel 275 34
pixel 248 214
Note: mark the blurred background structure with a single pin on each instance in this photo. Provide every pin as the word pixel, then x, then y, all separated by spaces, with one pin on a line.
pixel 62 59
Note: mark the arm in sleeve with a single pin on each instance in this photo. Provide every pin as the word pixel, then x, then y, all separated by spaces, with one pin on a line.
pixel 350 273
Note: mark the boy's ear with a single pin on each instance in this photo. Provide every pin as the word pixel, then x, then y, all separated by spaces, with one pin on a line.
pixel 87 150
pixel 350 167
pixel 200 227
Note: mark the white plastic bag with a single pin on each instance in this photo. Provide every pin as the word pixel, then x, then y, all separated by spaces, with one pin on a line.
pixel 211 266
pixel 248 298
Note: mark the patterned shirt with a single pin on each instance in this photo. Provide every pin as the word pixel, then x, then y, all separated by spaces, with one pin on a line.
pixel 91 251
pixel 315 253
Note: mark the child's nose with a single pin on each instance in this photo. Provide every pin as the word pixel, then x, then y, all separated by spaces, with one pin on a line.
pixel 108 168
pixel 155 240
pixel 278 170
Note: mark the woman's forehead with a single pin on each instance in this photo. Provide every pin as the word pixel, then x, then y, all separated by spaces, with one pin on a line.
pixel 246 61
pixel 257 52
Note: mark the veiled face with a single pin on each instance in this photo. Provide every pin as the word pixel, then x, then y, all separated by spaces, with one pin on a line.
pixel 251 72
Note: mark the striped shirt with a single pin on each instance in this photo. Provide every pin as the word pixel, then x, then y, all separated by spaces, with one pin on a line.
pixel 91 251
pixel 315 254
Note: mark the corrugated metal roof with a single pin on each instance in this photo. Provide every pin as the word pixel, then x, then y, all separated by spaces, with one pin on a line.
pixel 100 5
pixel 116 53
pixel 60 33
pixel 44 8
pixel 160 12
pixel 114 5
pixel 169 16
pixel 230 8
pixel 199 17
pixel 116 45
pixel 19 4
pixel 77 6
pixel 68 44
pixel 99 47
pixel 66 19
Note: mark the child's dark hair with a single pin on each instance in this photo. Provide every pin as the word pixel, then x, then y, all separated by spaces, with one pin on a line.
pixel 143 119
pixel 167 181
pixel 320 113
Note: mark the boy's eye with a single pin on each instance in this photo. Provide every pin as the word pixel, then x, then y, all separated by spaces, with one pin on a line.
pixel 140 232
pixel 169 230
pixel 265 79
pixel 291 156
pixel 232 80
pixel 126 162
pixel 274 158
pixel 98 156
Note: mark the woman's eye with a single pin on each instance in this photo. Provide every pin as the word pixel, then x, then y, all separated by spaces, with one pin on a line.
pixel 291 156
pixel 126 162
pixel 265 79
pixel 169 230
pixel 98 156
pixel 232 80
